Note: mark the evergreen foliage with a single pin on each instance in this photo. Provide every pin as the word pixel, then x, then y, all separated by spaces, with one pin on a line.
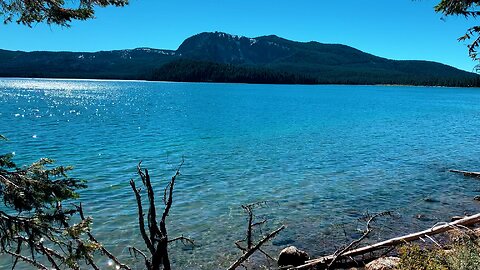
pixel 34 224
pixel 185 70
pixel 201 71
pixel 466 8
pixel 52 11
pixel 36 228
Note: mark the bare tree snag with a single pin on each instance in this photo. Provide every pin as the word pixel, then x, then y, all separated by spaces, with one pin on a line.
pixel 250 246
pixel 441 228
pixel 249 252
pixel 156 239
pixel 355 243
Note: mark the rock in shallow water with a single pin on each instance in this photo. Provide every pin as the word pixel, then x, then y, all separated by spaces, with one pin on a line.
pixel 292 256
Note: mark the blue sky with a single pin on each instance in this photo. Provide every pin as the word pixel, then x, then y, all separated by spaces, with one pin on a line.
pixel 396 29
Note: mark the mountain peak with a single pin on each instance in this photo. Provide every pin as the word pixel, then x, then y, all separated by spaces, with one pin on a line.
pixel 227 35
pixel 216 34
pixel 266 58
pixel 233 49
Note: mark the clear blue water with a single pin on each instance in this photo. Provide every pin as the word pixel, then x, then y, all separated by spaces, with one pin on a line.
pixel 321 155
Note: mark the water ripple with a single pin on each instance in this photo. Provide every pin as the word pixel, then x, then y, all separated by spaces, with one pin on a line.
pixel 322 155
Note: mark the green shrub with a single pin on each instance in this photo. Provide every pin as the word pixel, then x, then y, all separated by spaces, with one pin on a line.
pixel 463 253
pixel 413 257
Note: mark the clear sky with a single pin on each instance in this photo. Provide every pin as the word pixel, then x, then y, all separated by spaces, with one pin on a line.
pixel 396 29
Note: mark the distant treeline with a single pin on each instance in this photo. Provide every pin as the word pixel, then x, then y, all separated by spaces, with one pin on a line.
pixel 185 70
pixel 201 71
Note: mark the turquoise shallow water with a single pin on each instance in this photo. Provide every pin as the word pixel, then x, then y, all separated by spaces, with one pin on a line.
pixel 321 155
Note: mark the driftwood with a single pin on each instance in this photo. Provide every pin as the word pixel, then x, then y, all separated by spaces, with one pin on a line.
pixel 467 173
pixel 324 261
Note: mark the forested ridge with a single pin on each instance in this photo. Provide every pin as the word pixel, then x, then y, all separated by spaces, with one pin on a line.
pixel 221 57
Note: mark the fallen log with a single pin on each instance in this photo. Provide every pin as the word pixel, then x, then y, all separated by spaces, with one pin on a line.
pixel 467 173
pixel 324 261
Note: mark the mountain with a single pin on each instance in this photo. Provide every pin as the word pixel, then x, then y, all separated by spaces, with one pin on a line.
pixel 119 64
pixel 221 57
pixel 328 63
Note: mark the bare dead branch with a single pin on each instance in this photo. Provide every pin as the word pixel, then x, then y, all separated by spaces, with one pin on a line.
pixel 134 251
pixel 237 243
pixel 251 224
pixel 266 254
pixel 249 228
pixel 157 238
pixel 141 221
pixel 52 253
pixel 248 208
pixel 19 249
pixel 247 254
pixel 152 212
pixel 355 243
pixel 26 259
pixel 171 185
pixel 102 248
pixel 183 239
pixel 259 223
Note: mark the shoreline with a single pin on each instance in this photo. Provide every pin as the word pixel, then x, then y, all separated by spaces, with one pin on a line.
pixel 239 83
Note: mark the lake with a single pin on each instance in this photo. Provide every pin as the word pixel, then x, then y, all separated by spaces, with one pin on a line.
pixel 322 156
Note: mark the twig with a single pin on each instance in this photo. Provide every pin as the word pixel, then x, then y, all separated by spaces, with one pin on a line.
pixel 434 241
pixel 183 239
pixel 367 231
pixel 102 248
pixel 237 243
pixel 26 259
pixel 169 201
pixel 266 254
pixel 136 250
pixel 247 254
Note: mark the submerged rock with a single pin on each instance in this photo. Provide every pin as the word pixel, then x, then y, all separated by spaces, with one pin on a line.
pixel 384 263
pixel 431 200
pixel 283 242
pixel 292 256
